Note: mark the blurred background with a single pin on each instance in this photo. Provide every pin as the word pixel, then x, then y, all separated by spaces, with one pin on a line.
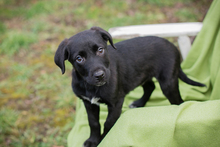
pixel 37 105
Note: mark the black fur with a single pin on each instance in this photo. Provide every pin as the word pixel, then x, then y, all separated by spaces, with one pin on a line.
pixel 104 74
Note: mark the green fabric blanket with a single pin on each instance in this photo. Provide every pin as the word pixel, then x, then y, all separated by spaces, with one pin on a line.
pixel 196 122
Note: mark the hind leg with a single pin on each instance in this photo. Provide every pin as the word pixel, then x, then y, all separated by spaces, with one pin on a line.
pixel 170 89
pixel 148 89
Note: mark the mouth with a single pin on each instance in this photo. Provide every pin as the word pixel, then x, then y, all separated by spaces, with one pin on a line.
pixel 98 84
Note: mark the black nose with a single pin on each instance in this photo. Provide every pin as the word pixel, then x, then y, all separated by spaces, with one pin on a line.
pixel 99 75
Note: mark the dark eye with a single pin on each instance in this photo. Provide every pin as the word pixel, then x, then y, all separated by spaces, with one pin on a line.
pixel 79 59
pixel 100 51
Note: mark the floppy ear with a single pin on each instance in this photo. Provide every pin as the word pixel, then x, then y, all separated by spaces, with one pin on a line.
pixel 61 55
pixel 105 35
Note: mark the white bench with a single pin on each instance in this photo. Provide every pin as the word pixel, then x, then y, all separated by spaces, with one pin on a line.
pixel 180 30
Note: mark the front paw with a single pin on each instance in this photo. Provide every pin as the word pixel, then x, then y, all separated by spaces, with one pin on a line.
pixel 90 143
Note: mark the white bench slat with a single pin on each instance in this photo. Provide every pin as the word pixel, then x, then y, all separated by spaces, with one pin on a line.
pixel 161 30
pixel 181 30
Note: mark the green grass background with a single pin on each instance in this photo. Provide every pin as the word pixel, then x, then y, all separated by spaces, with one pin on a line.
pixel 37 105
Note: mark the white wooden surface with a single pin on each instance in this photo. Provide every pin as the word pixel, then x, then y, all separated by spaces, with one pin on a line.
pixel 181 30
pixel 161 30
pixel 184 45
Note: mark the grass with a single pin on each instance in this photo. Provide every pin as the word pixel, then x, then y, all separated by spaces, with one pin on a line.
pixel 15 40
pixel 37 105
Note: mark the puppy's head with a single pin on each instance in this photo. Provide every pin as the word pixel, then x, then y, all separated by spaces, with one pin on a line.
pixel 87 52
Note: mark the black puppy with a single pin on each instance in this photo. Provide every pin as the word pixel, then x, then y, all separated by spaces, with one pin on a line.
pixel 104 74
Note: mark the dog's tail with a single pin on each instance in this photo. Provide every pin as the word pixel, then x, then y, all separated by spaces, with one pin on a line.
pixel 185 79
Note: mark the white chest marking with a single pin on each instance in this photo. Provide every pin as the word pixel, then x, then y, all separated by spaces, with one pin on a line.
pixel 94 100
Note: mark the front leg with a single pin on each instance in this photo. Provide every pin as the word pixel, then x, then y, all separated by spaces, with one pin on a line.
pixel 93 117
pixel 113 114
